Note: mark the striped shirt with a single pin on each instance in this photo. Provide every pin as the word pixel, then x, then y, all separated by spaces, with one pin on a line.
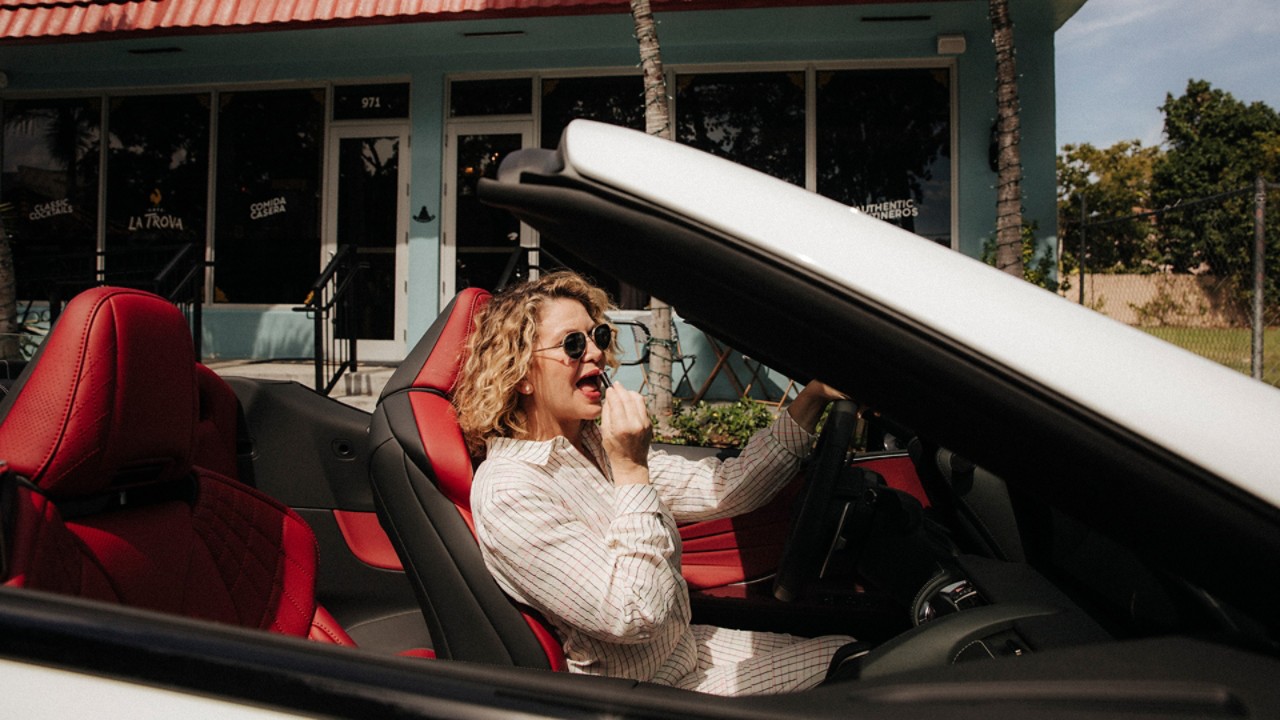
pixel 602 563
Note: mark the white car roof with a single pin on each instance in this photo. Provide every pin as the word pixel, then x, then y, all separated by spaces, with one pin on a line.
pixel 1208 414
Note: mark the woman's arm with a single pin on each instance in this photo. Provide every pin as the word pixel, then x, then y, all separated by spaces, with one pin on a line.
pixel 618 586
pixel 710 488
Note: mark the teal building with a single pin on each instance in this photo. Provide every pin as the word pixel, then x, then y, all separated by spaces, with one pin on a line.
pixel 268 134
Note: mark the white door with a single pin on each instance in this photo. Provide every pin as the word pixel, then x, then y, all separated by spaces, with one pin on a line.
pixel 368 187
pixel 481 246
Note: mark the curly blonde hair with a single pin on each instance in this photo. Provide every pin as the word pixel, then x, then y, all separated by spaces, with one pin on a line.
pixel 500 351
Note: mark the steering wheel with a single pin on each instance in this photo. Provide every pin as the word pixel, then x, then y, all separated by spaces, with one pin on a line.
pixel 806 542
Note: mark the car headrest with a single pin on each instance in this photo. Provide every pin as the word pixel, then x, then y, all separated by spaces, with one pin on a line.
pixel 430 370
pixel 110 401
pixel 434 363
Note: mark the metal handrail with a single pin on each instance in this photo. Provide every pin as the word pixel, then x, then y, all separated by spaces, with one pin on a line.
pixel 190 262
pixel 331 303
pixel 187 291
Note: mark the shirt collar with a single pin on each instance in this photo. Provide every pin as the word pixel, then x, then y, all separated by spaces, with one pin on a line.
pixel 540 452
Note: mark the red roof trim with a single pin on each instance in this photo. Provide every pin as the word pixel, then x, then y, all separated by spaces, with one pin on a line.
pixel 49 20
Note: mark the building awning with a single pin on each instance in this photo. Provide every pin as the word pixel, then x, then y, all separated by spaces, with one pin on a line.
pixel 45 20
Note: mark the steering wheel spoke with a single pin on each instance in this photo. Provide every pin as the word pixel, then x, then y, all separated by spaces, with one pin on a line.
pixel 807 543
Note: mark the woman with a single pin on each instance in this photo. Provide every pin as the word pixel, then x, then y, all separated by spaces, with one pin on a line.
pixel 577 519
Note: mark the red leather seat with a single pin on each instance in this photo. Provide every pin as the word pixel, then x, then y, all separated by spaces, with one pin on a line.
pixel 216 424
pixel 107 502
pixel 421 476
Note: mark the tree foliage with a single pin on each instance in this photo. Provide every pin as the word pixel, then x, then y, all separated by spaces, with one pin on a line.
pixel 1216 144
pixel 1107 184
pixel 1143 203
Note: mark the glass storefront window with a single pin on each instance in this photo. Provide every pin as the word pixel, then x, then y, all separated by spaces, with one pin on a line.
pixel 617 100
pixel 52 151
pixel 368 188
pixel 884 145
pixel 755 119
pixel 267 233
pixel 488 238
pixel 157 182
pixel 476 98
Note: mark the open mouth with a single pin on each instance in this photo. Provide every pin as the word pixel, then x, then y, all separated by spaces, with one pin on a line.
pixel 597 382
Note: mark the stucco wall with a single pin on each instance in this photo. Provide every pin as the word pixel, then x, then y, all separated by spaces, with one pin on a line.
pixel 1162 300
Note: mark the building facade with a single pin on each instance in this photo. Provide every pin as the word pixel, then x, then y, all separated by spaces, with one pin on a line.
pixel 266 135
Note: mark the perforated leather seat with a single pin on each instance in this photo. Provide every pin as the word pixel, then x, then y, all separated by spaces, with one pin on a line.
pixel 104 499
pixel 421 475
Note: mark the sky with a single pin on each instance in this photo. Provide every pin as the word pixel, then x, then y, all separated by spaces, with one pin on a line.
pixel 1117 60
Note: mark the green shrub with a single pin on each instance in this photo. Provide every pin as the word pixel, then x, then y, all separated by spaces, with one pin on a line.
pixel 716 425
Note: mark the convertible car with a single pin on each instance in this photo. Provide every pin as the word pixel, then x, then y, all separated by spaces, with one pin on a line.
pixel 1028 510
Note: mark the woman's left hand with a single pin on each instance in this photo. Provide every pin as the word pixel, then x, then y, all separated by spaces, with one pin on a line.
pixel 812 400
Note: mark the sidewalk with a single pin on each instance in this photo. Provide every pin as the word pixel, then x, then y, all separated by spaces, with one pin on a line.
pixel 360 389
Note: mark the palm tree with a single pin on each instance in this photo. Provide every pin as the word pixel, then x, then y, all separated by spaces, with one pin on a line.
pixel 1008 135
pixel 657 121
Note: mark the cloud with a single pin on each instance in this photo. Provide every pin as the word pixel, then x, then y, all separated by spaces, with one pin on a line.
pixel 1094 27
pixel 1117 59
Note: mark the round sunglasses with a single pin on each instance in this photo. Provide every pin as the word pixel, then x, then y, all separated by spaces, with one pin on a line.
pixel 575 343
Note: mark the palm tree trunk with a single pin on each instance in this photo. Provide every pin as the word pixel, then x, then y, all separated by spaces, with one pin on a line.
pixel 657 121
pixel 1008 135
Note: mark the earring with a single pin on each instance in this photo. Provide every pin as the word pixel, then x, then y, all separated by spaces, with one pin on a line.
pixel 526 389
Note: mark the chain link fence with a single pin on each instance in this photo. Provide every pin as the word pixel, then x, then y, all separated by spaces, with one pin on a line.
pixel 1203 274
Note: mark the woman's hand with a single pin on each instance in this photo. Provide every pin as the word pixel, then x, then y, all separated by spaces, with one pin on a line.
pixel 626 433
pixel 812 400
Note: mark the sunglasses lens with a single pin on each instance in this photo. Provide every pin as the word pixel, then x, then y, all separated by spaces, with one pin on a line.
pixel 575 343
pixel 602 336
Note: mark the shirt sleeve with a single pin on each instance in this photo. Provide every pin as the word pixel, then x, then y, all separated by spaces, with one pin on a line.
pixel 618 587
pixel 712 488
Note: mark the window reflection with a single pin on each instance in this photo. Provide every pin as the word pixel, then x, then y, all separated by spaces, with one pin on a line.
pixel 267 235
pixel 507 96
pixel 157 182
pixel 755 119
pixel 368 182
pixel 617 100
pixel 488 238
pixel 50 176
pixel 884 145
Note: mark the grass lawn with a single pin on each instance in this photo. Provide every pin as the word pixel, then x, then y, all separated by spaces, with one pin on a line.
pixel 1228 346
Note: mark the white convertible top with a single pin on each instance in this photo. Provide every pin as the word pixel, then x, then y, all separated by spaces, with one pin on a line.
pixel 1211 415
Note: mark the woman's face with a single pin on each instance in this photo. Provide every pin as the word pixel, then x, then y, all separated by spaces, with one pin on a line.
pixel 560 392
